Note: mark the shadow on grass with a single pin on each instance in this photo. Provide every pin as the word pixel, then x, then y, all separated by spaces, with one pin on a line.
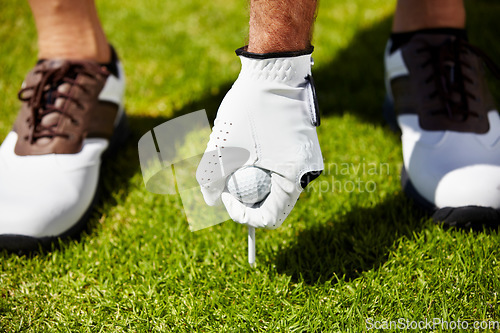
pixel 351 244
pixel 353 82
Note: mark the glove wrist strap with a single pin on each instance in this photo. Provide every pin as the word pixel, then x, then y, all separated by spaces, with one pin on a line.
pixel 242 51
pixel 288 68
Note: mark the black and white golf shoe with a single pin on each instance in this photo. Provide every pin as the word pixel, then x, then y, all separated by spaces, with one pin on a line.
pixel 439 98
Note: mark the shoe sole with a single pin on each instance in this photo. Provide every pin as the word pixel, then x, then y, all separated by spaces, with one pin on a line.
pixel 470 217
pixel 26 244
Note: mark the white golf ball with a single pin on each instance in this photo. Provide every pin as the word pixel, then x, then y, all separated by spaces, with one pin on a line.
pixel 249 184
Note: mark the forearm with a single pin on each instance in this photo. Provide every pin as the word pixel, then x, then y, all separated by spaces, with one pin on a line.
pixel 280 25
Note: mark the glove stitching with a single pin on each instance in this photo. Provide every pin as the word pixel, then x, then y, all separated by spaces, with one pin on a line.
pixel 302 172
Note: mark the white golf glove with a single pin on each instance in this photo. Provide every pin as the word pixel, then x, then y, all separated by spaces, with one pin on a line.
pixel 268 119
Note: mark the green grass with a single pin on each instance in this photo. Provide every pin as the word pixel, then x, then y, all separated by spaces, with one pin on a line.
pixel 340 258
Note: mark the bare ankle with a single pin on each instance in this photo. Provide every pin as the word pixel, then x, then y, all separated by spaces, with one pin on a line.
pixel 70 30
pixel 62 47
pixel 414 15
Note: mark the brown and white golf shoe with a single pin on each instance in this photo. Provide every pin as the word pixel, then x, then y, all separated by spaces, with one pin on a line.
pixel 70 119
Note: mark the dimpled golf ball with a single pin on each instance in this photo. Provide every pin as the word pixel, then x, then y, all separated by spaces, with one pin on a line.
pixel 249 184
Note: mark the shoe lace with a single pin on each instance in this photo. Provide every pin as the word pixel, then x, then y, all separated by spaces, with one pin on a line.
pixel 450 79
pixel 41 97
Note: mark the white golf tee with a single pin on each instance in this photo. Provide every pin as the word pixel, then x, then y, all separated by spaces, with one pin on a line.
pixel 251 246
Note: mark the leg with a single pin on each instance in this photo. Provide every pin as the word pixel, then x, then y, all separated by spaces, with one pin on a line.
pixel 280 25
pixel 62 22
pixel 414 15
pixel 72 106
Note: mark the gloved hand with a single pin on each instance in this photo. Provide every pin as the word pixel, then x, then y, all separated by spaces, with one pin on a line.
pixel 267 119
